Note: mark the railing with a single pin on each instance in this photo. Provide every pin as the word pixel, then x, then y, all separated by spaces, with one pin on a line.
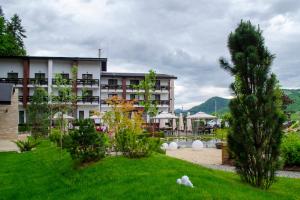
pixel 29 98
pixel 38 81
pixel 66 81
pixel 90 82
pixel 111 87
pixel 138 102
pixel 15 81
pixel 162 87
pixel 88 99
pixel 20 98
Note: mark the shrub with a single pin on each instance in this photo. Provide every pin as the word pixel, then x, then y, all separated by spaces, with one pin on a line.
pixel 23 127
pixel 221 133
pixel 131 145
pixel 55 136
pixel 85 144
pixel 155 145
pixel 290 149
pixel 26 145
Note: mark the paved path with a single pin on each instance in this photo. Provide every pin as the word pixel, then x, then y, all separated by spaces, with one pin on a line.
pixel 212 158
pixel 7 145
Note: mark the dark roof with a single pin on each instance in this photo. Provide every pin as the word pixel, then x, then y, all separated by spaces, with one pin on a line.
pixel 53 57
pixel 6 91
pixel 136 75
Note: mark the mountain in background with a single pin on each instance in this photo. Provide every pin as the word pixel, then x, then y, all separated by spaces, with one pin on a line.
pixel 293 94
pixel 222 104
pixel 209 106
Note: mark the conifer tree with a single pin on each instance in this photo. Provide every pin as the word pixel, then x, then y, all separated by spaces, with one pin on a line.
pixel 256 122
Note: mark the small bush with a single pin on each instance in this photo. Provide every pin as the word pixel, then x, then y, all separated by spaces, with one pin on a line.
pixel 85 144
pixel 131 145
pixel 23 127
pixel 290 149
pixel 55 136
pixel 155 145
pixel 221 134
pixel 26 145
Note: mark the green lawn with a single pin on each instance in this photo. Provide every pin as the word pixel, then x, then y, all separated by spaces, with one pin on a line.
pixel 45 174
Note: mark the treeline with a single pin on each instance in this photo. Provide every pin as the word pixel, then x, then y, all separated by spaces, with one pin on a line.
pixel 12 34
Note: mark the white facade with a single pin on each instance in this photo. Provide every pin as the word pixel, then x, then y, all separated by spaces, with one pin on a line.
pixel 33 71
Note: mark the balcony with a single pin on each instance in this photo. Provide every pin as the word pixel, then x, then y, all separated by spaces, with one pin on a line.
pixel 88 99
pixel 38 81
pixel 161 87
pixel 87 82
pixel 29 99
pixel 111 87
pixel 138 102
pixel 16 81
pixel 67 81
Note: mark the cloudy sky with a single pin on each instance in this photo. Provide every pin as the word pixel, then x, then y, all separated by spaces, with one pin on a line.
pixel 184 38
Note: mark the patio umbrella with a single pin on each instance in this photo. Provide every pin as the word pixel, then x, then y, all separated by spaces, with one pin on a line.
pixel 165 115
pixel 188 122
pixel 181 126
pixel 65 116
pixel 174 124
pixel 201 115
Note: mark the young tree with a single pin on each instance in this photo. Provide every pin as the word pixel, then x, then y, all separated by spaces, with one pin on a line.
pixel 38 112
pixel 256 123
pixel 148 87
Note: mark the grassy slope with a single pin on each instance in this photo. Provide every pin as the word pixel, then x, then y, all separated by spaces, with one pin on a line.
pixel 42 174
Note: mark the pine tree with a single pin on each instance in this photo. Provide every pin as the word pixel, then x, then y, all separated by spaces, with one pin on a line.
pixel 11 36
pixel 16 29
pixel 256 122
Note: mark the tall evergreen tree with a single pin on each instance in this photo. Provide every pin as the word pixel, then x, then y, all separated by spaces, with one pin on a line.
pixel 15 27
pixel 256 122
pixel 11 36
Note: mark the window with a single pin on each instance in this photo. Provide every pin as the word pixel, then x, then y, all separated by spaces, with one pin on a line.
pixel 12 75
pixel 87 76
pixel 88 93
pixel 157 84
pixel 134 82
pixel 81 114
pixel 156 97
pixel 91 113
pixel 134 96
pixel 65 76
pixel 21 117
pixel 39 75
pixel 112 81
pixel 112 95
pixel 104 66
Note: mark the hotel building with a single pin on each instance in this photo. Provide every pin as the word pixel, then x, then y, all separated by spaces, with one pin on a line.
pixel 26 72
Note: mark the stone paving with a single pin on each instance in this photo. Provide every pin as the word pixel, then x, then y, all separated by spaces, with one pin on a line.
pixel 212 158
pixel 8 145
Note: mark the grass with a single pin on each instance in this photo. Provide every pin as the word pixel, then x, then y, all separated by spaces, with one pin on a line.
pixel 47 174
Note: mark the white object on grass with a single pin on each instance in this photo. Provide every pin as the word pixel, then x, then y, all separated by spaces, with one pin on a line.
pixel 185 181
pixel 197 145
pixel 173 146
pixel 164 146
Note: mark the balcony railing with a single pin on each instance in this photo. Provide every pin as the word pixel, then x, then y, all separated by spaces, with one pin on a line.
pixel 88 99
pixel 138 102
pixel 38 81
pixel 111 87
pixel 29 98
pixel 89 82
pixel 66 81
pixel 16 81
pixel 161 87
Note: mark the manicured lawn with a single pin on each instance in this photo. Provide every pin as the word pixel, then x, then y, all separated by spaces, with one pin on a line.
pixel 44 174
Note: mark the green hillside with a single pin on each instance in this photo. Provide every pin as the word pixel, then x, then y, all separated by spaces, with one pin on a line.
pixel 209 106
pixel 222 104
pixel 293 94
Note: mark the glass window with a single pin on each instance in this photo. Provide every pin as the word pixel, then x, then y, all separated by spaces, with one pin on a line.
pixel 156 97
pixel 88 93
pixel 81 114
pixel 134 82
pixel 87 76
pixel 21 117
pixel 133 96
pixel 112 81
pixel 65 76
pixel 39 75
pixel 12 75
pixel 112 95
